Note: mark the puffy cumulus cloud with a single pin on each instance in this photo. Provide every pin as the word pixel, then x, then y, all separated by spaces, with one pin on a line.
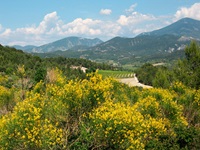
pixel 6 33
pixel 48 28
pixel 92 28
pixel 131 8
pixel 134 18
pixel 1 27
pixel 52 28
pixel 123 20
pixel 133 23
pixel 111 29
pixel 105 11
pixel 82 26
pixel 192 12
pixel 49 24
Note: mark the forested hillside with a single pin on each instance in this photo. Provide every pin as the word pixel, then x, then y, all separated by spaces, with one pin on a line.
pixel 185 70
pixel 11 59
pixel 62 113
pixel 163 45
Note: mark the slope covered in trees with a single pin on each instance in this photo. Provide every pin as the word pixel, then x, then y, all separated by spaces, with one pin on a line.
pixel 186 70
pixel 97 113
pixel 36 67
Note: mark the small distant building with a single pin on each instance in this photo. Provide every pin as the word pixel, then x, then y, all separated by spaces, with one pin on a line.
pixel 79 67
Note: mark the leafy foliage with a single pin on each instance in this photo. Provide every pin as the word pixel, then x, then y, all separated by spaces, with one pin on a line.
pixel 188 69
pixel 146 73
pixel 36 67
pixel 97 113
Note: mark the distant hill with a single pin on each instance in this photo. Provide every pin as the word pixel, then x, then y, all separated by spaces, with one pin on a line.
pixel 128 48
pixel 27 48
pixel 158 43
pixel 161 43
pixel 66 44
pixel 184 27
pixel 11 58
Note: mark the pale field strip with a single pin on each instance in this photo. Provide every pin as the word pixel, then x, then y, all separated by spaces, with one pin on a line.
pixel 133 82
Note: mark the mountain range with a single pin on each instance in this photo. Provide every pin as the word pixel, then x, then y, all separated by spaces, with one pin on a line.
pixel 27 48
pixel 185 27
pixel 66 44
pixel 160 42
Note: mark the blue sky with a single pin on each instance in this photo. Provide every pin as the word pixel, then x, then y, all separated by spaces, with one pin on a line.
pixel 37 22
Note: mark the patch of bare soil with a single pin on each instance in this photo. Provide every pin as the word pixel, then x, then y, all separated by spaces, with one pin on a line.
pixel 133 82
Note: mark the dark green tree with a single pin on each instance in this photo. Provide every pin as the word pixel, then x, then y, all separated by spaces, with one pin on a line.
pixel 40 74
pixel 163 78
pixel 146 73
pixel 188 70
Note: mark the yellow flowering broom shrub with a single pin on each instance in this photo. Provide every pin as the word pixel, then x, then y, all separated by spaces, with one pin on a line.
pixel 122 126
pixel 28 127
pixel 6 98
pixel 3 79
pixel 97 113
pixel 157 109
pixel 52 111
pixel 34 122
pixel 190 100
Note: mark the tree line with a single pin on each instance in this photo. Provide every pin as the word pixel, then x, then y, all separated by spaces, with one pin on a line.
pixel 186 70
pixel 36 67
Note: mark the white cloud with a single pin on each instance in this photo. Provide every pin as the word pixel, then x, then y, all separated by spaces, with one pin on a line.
pixel 134 18
pixel 49 24
pixel 105 11
pixel 35 35
pixel 192 12
pixel 131 8
pixel 52 28
pixel 82 26
pixel 123 20
pixel 129 24
pixel 91 28
pixel 6 32
pixel 1 27
pixel 133 23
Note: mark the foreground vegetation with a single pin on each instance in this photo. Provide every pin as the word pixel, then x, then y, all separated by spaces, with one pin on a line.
pixel 98 113
pixel 61 113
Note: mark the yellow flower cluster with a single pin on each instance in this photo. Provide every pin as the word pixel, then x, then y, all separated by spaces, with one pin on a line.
pixel 3 78
pixel 171 109
pixel 29 127
pixel 80 96
pixel 3 91
pixel 125 126
pixel 55 76
pixel 39 120
pixel 137 118
pixel 113 115
pixel 5 94
pixel 197 98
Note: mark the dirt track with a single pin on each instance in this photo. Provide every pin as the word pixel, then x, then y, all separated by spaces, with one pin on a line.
pixel 133 82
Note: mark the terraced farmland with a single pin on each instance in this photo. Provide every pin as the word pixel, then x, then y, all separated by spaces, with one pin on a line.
pixel 116 74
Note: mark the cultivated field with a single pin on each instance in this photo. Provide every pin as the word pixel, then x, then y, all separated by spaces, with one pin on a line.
pixel 116 74
pixel 126 77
